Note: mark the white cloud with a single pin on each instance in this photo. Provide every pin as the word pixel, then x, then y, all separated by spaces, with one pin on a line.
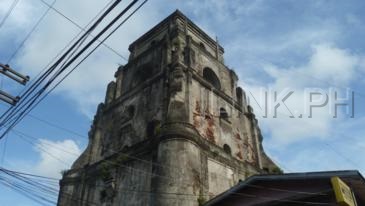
pixel 327 67
pixel 333 65
pixel 19 15
pixel 87 84
pixel 55 156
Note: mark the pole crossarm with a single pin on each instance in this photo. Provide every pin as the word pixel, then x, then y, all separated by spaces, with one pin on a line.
pixel 8 98
pixel 11 73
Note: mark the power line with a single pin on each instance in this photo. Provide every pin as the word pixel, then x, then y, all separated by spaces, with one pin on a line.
pixel 4 150
pixel 167 177
pixel 85 137
pixel 114 29
pixel 62 50
pixel 63 78
pixel 68 45
pixel 70 131
pixel 81 28
pixel 102 42
pixel 30 33
pixel 28 174
pixel 133 157
pixel 56 126
pixel 44 187
pixel 124 189
pixel 256 186
pixel 22 134
pixel 32 100
pixel 12 6
pixel 342 155
pixel 22 107
pixel 33 189
pixel 41 188
pixel 23 191
pixel 41 147
pixel 70 42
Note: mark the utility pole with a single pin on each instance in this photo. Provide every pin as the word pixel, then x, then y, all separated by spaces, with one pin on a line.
pixel 12 74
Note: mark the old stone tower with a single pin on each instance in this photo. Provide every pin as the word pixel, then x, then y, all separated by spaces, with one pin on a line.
pixel 175 129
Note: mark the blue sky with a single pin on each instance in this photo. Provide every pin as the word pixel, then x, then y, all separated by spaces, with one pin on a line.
pixel 271 44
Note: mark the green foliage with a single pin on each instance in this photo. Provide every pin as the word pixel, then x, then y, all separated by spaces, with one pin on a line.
pixel 201 200
pixel 104 171
pixel 121 158
pixel 157 129
pixel 277 170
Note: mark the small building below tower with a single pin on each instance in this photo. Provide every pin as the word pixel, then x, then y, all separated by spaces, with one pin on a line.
pixel 294 189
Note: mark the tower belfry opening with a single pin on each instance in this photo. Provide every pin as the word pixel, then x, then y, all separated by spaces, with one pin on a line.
pixel 159 132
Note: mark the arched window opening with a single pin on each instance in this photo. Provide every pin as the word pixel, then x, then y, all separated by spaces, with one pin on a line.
pixel 239 94
pixel 153 43
pixel 223 113
pixel 145 73
pixel 131 111
pixel 153 128
pixel 227 149
pixel 202 46
pixel 211 77
pixel 142 74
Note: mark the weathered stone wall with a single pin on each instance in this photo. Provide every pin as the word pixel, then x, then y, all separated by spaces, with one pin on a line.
pixel 221 177
pixel 181 172
pixel 174 128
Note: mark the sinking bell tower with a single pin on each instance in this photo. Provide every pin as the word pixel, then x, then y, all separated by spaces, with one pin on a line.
pixel 175 129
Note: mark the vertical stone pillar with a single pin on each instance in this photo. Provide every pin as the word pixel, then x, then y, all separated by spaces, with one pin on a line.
pixel 179 173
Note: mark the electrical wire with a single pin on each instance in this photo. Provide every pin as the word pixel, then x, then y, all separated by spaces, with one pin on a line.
pixel 34 103
pixel 70 42
pixel 56 126
pixel 32 189
pixel 35 190
pixel 3 154
pixel 133 169
pixel 176 170
pixel 110 150
pixel 42 148
pixel 28 174
pixel 31 100
pixel 125 189
pixel 12 6
pixel 59 61
pixel 30 33
pixel 67 46
pixel 81 28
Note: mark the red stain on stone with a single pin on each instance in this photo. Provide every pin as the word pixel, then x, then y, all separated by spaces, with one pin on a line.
pixel 197 115
pixel 209 132
pixel 238 136
pixel 196 118
pixel 239 155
